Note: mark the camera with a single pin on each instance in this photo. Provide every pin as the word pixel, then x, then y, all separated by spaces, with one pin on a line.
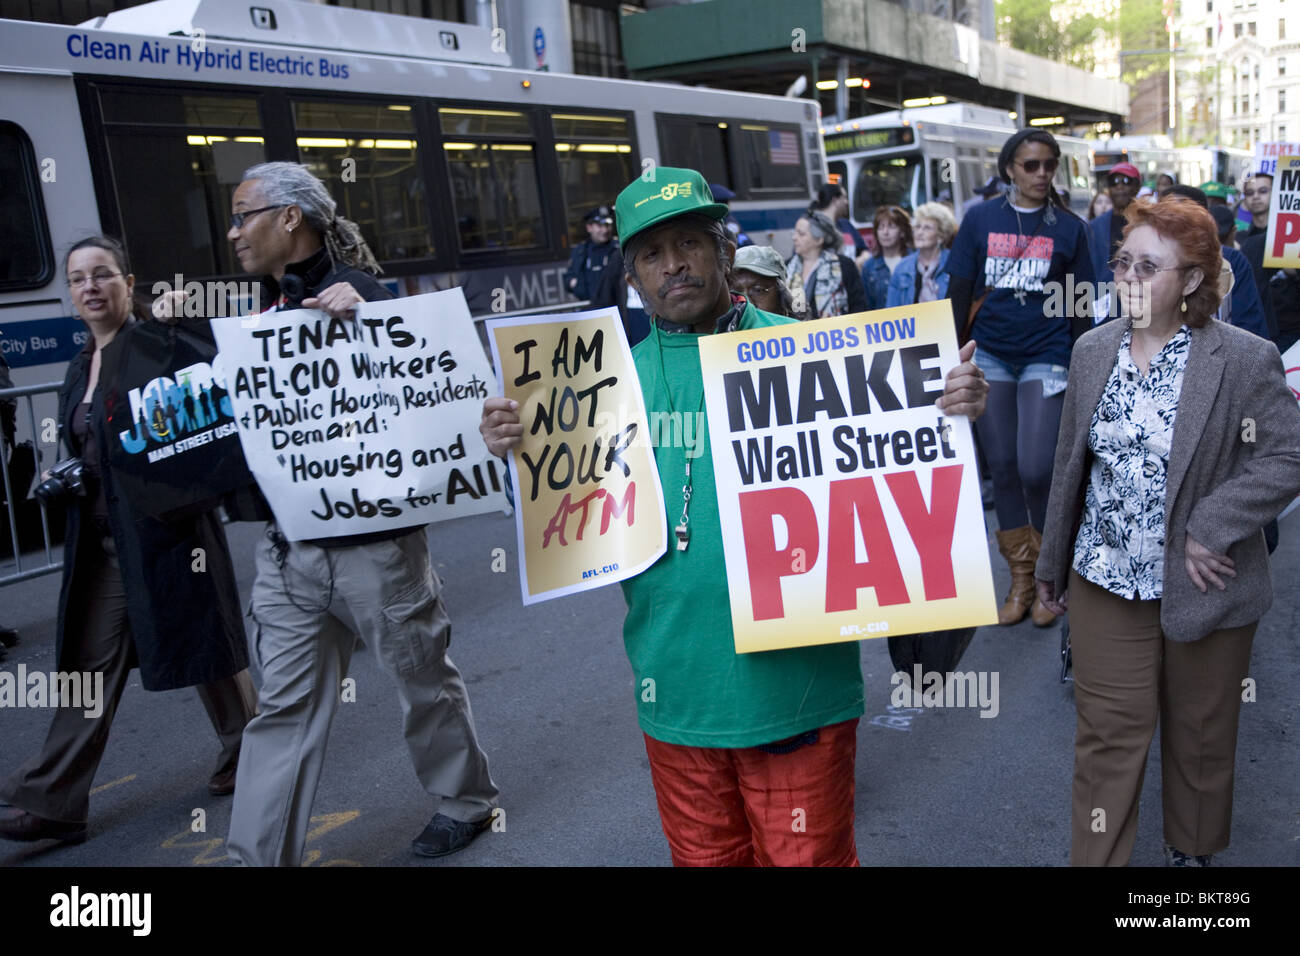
pixel 65 479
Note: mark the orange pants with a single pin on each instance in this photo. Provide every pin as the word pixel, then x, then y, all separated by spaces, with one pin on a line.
pixel 747 807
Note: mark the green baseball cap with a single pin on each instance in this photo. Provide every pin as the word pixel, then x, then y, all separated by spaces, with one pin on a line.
pixel 669 193
pixel 1215 190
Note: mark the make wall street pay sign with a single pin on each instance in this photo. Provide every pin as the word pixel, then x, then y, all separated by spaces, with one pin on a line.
pixel 850 505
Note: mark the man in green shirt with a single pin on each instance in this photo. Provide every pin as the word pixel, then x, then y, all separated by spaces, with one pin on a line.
pixel 751 754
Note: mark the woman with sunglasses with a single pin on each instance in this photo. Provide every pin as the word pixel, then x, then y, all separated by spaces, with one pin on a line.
pixel 1009 267
pixel 1154 533
pixel 131 595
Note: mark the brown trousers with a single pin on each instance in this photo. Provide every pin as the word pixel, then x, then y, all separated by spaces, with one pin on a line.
pixel 55 784
pixel 1128 675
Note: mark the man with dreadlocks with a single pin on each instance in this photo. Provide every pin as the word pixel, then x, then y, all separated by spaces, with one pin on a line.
pixel 312 599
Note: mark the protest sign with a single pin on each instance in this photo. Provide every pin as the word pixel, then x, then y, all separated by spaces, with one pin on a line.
pixel 167 403
pixel 850 505
pixel 1282 243
pixel 363 424
pixel 590 510
pixel 1267 154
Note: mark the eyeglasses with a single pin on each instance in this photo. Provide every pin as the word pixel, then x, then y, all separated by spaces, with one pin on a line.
pixel 755 290
pixel 1122 180
pixel 99 277
pixel 1142 268
pixel 237 219
pixel 1031 165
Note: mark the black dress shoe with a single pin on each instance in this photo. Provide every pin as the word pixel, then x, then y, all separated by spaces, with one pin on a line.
pixel 444 835
pixel 16 824
pixel 222 783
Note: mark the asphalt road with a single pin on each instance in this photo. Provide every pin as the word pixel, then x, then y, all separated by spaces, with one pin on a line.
pixel 553 699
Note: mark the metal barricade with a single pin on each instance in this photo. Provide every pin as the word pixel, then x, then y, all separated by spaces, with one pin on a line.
pixel 19 567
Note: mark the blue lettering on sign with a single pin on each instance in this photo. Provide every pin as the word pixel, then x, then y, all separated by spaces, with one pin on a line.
pixel 42 341
pixel 201 59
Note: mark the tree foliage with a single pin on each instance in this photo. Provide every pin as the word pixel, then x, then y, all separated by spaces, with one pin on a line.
pixel 1028 25
pixel 1142 27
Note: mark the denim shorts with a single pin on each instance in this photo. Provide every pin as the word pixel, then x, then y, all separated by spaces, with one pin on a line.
pixel 1053 377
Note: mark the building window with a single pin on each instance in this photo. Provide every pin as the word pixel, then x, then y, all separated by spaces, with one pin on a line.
pixel 1281 132
pixel 596 47
pixel 1281 28
pixel 1281 66
pixel 1281 101
pixel 1236 31
pixel 1250 27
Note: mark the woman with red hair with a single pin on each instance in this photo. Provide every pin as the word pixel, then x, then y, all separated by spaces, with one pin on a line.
pixel 1159 496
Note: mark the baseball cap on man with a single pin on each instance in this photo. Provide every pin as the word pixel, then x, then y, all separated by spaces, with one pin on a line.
pixel 763 260
pixel 600 214
pixel 1215 190
pixel 669 194
pixel 1124 169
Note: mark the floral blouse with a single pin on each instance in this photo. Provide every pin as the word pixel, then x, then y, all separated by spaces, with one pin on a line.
pixel 1121 541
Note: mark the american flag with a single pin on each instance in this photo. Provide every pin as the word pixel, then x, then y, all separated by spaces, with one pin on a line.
pixel 783 147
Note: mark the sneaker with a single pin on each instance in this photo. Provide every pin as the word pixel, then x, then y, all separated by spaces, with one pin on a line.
pixel 444 835
pixel 1174 857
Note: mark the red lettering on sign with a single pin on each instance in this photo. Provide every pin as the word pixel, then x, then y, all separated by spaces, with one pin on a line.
pixel 931 529
pixel 1288 231
pixel 854 503
pixel 767 565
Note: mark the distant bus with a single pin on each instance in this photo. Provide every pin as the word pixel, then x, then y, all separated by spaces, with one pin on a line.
pixel 1152 155
pixel 909 157
pixel 460 170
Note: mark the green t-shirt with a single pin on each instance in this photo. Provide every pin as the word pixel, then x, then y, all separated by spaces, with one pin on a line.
pixel 678 630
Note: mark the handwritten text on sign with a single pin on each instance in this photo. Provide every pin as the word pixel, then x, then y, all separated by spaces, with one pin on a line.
pixel 590 506
pixel 849 504
pixel 361 424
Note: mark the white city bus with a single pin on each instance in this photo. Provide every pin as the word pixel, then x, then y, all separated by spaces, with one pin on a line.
pixel 909 157
pixel 459 169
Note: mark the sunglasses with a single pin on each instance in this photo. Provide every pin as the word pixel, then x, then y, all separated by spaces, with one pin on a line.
pixel 1122 180
pixel 1031 165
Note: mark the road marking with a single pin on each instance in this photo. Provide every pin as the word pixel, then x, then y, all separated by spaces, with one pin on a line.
pixel 127 779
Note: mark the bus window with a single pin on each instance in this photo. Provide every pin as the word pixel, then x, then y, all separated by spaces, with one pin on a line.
pixel 594 154
pixel 26 261
pixel 493 181
pixel 175 159
pixel 884 182
pixel 692 143
pixel 771 159
pixel 385 193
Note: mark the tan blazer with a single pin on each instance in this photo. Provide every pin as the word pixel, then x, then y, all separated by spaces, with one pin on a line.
pixel 1222 486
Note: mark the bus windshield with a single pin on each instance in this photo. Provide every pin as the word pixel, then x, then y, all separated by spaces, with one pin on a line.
pixel 886 181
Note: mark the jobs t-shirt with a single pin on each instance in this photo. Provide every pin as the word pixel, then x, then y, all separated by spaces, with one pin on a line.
pixel 1036 273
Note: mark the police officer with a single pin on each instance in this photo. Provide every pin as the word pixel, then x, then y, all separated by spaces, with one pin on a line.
pixel 595 268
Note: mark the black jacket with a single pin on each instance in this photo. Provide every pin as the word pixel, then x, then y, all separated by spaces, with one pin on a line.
pixel 185 624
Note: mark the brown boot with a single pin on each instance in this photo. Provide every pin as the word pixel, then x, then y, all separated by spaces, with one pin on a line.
pixel 1042 617
pixel 1016 547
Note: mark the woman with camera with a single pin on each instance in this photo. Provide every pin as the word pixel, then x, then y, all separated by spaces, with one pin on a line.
pixel 134 593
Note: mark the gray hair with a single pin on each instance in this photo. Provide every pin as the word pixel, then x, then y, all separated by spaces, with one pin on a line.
pixel 293 184
pixel 823 229
pixel 714 227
